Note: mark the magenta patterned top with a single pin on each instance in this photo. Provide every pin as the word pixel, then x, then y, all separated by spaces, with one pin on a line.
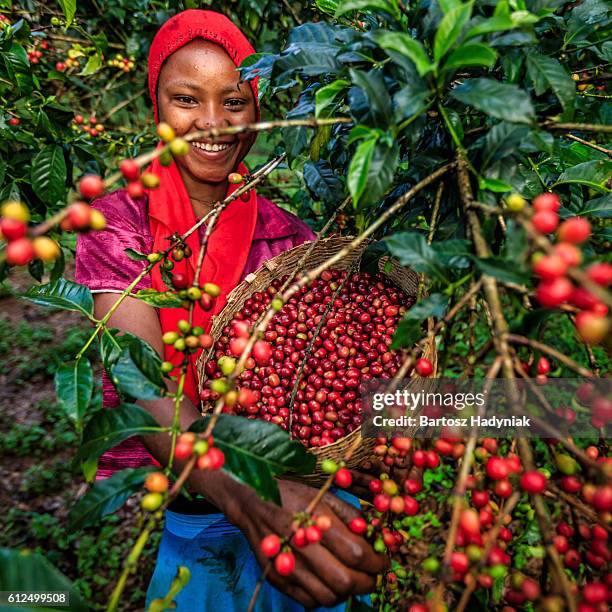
pixel 102 265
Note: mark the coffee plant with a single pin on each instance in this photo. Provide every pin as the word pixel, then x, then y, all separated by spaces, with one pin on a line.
pixel 466 141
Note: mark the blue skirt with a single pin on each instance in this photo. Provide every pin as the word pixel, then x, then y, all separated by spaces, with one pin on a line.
pixel 224 571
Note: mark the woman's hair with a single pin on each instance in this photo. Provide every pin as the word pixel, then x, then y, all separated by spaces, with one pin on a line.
pixel 187 26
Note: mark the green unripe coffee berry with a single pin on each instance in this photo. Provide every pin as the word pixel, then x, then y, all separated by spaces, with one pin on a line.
pixel 197 330
pixel 194 293
pixel 165 159
pixel 212 289
pixel 179 147
pixel 200 447
pixel 474 552
pixel 497 571
pixel 184 326
pixel 277 304
pixel 154 257
pixel 165 132
pixel 180 345
pixel 167 367
pixel 55 21
pixel 515 202
pixel 431 565
pixel 379 546
pixel 329 466
pixel 226 364
pixel 170 337
pixel 219 385
pixel 152 501
pixel 168 264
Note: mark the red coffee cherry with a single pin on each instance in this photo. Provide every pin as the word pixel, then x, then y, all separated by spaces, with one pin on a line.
pixel 545 222
pixel 575 230
pixel 19 252
pixel 533 482
pixel 424 367
pixel 343 478
pixel 284 563
pixel 358 525
pixel 129 169
pixel 91 186
pixel 546 202
pixel 270 545
pixel 496 468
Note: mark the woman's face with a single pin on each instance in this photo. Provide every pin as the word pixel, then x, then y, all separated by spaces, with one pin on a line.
pixel 199 88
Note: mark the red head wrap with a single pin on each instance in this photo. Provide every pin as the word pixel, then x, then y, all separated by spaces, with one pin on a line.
pixel 170 209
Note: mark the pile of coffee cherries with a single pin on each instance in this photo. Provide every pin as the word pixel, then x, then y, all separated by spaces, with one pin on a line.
pixel 352 346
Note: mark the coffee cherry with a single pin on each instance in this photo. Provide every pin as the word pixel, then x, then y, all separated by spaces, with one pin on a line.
pixel 575 230
pixel 129 169
pixel 595 593
pixel 235 178
pixel 270 545
pixel 206 302
pixel 212 289
pixel 515 202
pixel 358 525
pixel 546 202
pixel 165 132
pixel 496 468
pixel 212 460
pixel 328 466
pixel 262 351
pixel 12 229
pixel 166 367
pixel 503 488
pixel 313 534
pixel 533 482
pixel 382 502
pixel 545 222
pixel 179 147
pixel 156 482
pixel 97 221
pixel 554 292
pixel 480 498
pixel 151 501
pixel 591 327
pixel 226 364
pixel 600 273
pixel 183 450
pixel 135 189
pixel 19 252
pixel 79 215
pixel 543 366
pixel 45 248
pixel 284 563
pixel 237 346
pixel 569 253
pixel 180 280
pixel 14 121
pixel 411 505
pixel 15 210
pixel 602 499
pixel 343 478
pixel 91 186
pixel 550 267
pixel 194 293
pixel 424 367
pixel 149 180
pixel 460 562
pixel 469 521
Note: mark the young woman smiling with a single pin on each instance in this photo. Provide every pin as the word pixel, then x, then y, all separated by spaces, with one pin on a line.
pixel 194 85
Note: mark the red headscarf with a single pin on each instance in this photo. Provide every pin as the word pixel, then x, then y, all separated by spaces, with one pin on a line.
pixel 170 209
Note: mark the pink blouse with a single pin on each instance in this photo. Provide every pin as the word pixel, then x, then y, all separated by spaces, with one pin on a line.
pixel 102 265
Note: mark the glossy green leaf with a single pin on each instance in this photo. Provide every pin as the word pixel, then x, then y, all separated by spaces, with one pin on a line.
pixel 135 255
pixel 48 174
pixel 322 182
pixel 500 100
pixel 112 342
pixel 599 207
pixel 69 9
pixel 388 6
pixel 494 185
pixel 408 47
pixel 377 100
pixel 94 63
pixel 412 250
pixel 594 174
pixel 359 169
pixel 502 269
pixel 106 496
pixel 256 451
pixel 409 330
pixel 471 54
pixel 501 23
pixel 324 98
pixel 24 571
pixel 62 294
pixel 137 372
pixel 547 72
pixel 450 28
pixel 74 386
pixel 109 427
pixel 159 299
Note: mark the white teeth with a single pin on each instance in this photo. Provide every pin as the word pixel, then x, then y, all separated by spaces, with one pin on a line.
pixel 210 147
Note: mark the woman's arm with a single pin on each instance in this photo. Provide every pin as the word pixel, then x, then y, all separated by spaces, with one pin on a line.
pixel 326 573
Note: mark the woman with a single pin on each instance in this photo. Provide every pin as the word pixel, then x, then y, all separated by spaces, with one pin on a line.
pixel 194 85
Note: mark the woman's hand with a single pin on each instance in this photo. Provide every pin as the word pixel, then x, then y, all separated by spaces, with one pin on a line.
pixel 325 574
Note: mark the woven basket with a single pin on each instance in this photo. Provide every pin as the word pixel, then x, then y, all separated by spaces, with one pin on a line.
pixel 285 264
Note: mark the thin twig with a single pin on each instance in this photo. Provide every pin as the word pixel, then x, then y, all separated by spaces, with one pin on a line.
pixel 608 152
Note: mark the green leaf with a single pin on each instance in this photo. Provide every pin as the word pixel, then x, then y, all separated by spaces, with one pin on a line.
pixel 106 496
pixel 62 294
pixel 109 427
pixel 412 250
pixel 48 174
pixel 454 253
pixel 325 96
pixel 594 174
pixel 409 101
pixel 450 28
pixel 471 54
pixel 388 6
pixel 24 571
pixel 112 342
pixel 359 169
pixel 405 45
pixel 255 451
pixel 494 185
pixel 547 72
pixel 322 182
pixel 159 299
pixel 409 330
pixel 377 100
pixel 501 23
pixel 94 63
pixel 135 255
pixel 69 9
pixel 137 371
pixel 502 269
pixel 74 386
pixel 500 100
pixel 600 207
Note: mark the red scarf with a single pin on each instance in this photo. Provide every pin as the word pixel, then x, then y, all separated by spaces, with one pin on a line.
pixel 170 208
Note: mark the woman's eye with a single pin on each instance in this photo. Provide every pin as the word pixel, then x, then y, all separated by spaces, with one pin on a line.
pixel 184 99
pixel 235 102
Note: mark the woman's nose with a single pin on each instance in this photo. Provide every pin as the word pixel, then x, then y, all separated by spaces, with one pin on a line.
pixel 212 116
